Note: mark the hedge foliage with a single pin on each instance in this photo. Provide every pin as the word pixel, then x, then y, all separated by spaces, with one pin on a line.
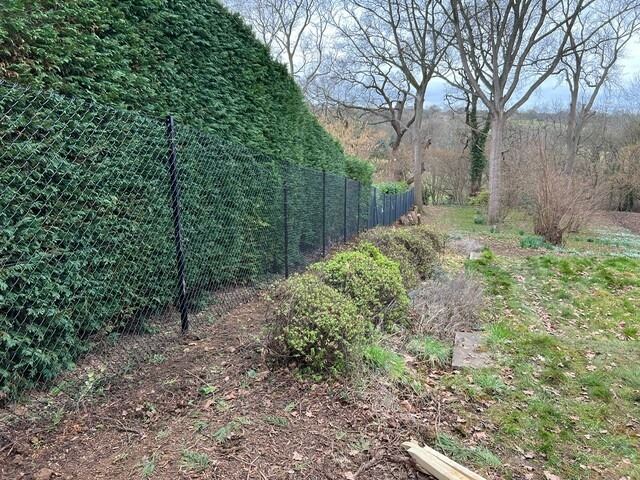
pixel 191 58
pixel 87 243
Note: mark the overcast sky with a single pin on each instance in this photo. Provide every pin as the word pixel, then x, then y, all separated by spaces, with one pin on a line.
pixel 553 94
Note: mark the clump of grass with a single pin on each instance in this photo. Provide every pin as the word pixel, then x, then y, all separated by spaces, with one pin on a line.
pixel 454 449
pixel 478 383
pixel 597 386
pixel 276 421
pixel 194 461
pixel 148 466
pixel 225 432
pixel 534 241
pixel 385 360
pixel 489 382
pixel 630 332
pixel 430 350
pixel 499 333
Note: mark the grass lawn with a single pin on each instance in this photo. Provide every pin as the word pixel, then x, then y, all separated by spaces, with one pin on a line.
pixel 564 327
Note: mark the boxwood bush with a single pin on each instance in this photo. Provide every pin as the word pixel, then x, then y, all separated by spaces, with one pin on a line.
pixel 415 249
pixel 371 280
pixel 315 325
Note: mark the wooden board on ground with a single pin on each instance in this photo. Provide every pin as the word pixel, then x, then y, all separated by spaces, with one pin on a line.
pixel 435 463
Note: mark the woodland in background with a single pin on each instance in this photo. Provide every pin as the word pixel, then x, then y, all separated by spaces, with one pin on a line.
pixel 608 158
pixel 367 66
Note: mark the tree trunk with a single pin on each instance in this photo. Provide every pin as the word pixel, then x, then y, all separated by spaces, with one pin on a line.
pixel 418 149
pixel 397 169
pixel 495 167
pixel 572 136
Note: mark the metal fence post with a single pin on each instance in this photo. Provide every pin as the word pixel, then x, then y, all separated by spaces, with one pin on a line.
pixel 172 165
pixel 374 208
pixel 384 209
pixel 285 208
pixel 358 213
pixel 344 232
pixel 324 213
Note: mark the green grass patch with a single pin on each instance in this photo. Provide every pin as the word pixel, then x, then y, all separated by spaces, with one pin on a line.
pixel 564 329
pixel 534 241
pixel 384 360
pixel 430 350
pixel 454 449
pixel 498 280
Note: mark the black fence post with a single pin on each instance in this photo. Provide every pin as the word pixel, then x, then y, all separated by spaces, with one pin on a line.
pixel 358 213
pixel 174 183
pixel 285 192
pixel 372 222
pixel 344 232
pixel 384 210
pixel 324 213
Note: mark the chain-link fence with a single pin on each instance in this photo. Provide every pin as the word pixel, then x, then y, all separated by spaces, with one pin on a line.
pixel 116 228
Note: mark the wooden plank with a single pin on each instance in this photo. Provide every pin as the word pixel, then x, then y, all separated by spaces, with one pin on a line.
pixel 429 455
pixel 427 463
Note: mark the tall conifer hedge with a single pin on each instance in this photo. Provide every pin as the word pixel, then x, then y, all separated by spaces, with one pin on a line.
pixel 86 242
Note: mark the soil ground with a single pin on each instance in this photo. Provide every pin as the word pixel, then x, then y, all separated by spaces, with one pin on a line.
pixel 214 409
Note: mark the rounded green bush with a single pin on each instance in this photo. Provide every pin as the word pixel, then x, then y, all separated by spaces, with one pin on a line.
pixel 415 249
pixel 315 324
pixel 372 280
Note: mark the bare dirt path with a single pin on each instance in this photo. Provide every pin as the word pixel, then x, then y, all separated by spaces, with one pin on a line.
pixel 214 409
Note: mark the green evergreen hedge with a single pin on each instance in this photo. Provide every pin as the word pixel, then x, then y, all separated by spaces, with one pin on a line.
pixel 87 239
pixel 191 58
pixel 85 245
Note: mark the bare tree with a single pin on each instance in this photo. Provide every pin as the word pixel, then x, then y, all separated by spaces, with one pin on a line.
pixel 362 82
pixel 294 30
pixel 507 49
pixel 404 40
pixel 595 44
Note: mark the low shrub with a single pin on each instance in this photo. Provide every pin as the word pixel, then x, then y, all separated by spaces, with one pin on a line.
pixel 479 220
pixel 314 324
pixel 391 188
pixel 371 280
pixel 447 305
pixel 415 249
pixel 480 200
pixel 534 241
